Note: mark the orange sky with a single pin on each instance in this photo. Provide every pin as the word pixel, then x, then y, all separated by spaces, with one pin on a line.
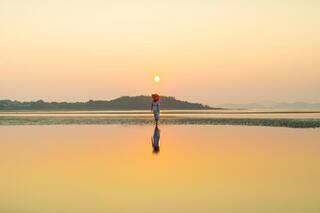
pixel 209 51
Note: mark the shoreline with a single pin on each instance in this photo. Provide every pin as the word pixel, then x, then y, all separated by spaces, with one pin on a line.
pixel 127 120
pixel 168 112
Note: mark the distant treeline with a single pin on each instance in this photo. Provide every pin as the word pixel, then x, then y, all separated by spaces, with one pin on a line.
pixel 122 103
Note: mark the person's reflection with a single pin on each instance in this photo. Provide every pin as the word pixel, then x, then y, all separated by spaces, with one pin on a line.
pixel 156 140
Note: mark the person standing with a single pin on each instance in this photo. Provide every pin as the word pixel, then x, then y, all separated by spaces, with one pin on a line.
pixel 155 107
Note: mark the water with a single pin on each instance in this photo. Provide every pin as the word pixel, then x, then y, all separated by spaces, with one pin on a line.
pixel 113 168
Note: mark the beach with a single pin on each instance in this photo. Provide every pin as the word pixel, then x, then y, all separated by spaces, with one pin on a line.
pixel 275 118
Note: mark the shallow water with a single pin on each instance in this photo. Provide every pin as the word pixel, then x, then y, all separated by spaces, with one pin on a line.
pixel 112 168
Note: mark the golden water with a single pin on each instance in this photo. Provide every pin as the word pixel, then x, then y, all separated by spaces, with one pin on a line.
pixel 198 169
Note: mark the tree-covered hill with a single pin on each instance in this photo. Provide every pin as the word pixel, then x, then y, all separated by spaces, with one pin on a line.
pixel 122 103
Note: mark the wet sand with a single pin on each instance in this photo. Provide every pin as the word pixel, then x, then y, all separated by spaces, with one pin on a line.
pixel 148 120
pixel 276 118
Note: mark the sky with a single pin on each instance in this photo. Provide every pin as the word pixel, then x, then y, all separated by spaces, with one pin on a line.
pixel 208 51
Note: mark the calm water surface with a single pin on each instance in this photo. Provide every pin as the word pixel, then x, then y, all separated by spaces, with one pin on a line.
pixel 197 169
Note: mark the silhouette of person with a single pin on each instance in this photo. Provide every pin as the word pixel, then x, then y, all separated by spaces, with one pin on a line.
pixel 155 107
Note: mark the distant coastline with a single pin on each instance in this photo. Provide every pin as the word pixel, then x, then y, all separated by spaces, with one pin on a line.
pixel 142 102
pixel 122 103
pixel 274 105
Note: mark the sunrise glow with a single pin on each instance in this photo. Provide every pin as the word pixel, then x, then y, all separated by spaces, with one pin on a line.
pixel 156 79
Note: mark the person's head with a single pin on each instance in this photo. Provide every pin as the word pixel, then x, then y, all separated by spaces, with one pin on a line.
pixel 155 97
pixel 156 150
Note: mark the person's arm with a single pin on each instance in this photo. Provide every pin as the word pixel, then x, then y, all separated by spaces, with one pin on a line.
pixel 151 106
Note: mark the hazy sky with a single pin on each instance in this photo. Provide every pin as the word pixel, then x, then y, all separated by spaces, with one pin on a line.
pixel 204 50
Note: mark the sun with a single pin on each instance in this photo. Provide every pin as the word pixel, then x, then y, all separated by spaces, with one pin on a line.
pixel 156 79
